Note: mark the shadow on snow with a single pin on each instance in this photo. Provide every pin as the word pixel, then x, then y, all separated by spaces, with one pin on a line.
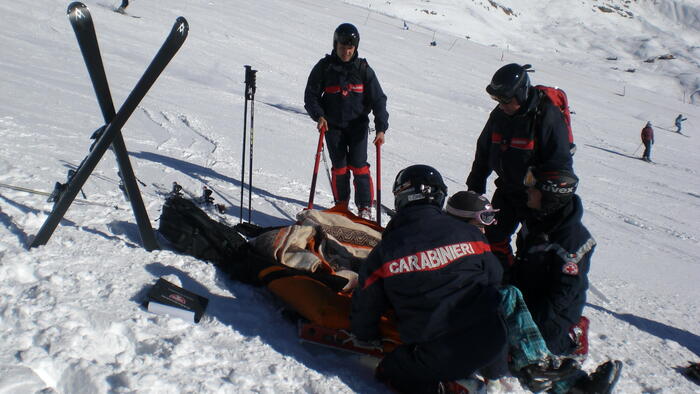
pixel 684 338
pixel 255 312
pixel 203 174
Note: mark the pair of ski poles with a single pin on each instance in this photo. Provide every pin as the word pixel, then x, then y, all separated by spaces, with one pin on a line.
pixel 249 97
pixel 319 152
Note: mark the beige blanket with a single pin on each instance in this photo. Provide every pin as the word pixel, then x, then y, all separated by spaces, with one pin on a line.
pixel 318 237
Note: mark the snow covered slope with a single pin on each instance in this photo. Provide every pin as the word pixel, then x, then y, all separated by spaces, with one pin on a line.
pixel 70 315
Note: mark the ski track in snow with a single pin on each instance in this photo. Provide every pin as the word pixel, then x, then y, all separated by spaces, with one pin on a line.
pixel 173 123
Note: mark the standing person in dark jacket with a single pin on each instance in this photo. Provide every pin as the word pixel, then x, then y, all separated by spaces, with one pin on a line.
pixel 122 8
pixel 341 91
pixel 678 121
pixel 553 259
pixel 438 275
pixel 525 129
pixel 648 140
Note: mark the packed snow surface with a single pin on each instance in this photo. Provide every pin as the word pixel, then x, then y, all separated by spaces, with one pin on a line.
pixel 71 319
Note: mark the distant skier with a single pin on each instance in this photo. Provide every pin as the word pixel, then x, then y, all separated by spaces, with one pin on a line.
pixel 679 119
pixel 341 91
pixel 122 8
pixel 648 140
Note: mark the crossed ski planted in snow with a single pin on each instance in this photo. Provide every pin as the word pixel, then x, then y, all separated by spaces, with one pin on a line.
pixel 82 24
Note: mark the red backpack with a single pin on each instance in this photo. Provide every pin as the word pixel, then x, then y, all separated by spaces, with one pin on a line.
pixel 559 99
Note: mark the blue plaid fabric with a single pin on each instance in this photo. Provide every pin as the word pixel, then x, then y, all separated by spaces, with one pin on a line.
pixel 526 344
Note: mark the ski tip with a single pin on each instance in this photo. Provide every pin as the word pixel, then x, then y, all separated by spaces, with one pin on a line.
pixel 76 7
pixel 181 26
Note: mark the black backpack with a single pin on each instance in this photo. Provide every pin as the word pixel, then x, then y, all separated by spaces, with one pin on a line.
pixel 191 231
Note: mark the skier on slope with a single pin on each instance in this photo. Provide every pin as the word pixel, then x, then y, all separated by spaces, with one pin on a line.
pixel 341 91
pixel 678 121
pixel 122 7
pixel 554 252
pixel 524 130
pixel 647 136
pixel 437 273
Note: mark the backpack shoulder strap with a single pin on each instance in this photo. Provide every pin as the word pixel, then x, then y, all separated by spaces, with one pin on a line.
pixel 364 72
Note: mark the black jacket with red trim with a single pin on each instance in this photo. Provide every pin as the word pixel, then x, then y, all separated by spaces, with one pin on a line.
pixel 535 136
pixel 551 270
pixel 345 93
pixel 438 275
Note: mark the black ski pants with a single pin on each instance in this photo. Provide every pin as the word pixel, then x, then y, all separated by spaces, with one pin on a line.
pixel 647 150
pixel 513 211
pixel 347 148
pixel 418 368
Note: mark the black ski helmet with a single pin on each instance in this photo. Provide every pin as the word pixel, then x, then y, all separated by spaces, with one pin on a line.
pixel 346 34
pixel 557 187
pixel 510 81
pixel 471 205
pixel 419 184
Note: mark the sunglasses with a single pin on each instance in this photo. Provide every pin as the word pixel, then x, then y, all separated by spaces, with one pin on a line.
pixel 502 100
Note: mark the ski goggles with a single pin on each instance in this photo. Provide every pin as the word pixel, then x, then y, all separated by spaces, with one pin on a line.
pixel 485 217
pixel 501 100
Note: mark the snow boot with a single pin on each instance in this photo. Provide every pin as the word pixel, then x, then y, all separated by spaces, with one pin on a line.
pixel 538 378
pixel 602 381
pixel 692 372
pixel 579 334
pixel 365 213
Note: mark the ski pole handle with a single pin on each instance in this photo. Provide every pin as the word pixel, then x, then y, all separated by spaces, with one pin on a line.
pixel 321 135
pixel 379 183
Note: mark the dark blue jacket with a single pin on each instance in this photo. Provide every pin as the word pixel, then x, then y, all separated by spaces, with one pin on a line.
pixel 345 93
pixel 438 275
pixel 551 270
pixel 535 136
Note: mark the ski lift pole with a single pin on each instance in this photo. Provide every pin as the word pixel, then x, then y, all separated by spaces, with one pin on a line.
pixel 379 183
pixel 252 129
pixel 319 150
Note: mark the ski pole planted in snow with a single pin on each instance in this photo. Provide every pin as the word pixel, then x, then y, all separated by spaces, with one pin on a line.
pixel 637 150
pixel 248 96
pixel 245 129
pixel 379 183
pixel 251 91
pixel 319 149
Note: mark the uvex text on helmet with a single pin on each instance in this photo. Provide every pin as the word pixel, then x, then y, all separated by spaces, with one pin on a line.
pixel 510 81
pixel 419 184
pixel 557 188
pixel 346 34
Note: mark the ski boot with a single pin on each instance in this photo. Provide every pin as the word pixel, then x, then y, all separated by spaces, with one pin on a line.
pixel 602 381
pixel 579 335
pixel 541 377
pixel 365 213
